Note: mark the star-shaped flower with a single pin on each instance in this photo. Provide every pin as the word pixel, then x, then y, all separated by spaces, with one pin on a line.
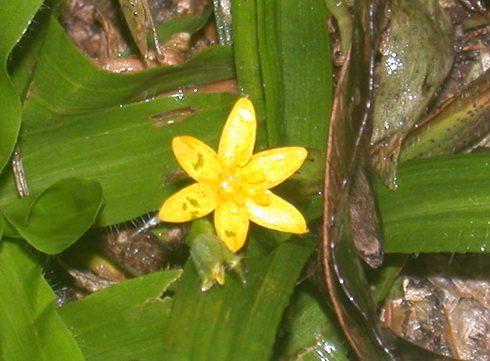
pixel 234 182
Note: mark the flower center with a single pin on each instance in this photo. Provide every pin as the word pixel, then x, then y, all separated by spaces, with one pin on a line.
pixel 230 188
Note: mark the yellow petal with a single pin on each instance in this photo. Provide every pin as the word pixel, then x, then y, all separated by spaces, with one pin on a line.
pixel 231 224
pixel 278 215
pixel 238 138
pixel 197 159
pixel 269 168
pixel 192 202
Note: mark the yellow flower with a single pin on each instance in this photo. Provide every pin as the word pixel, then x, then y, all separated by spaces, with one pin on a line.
pixel 234 182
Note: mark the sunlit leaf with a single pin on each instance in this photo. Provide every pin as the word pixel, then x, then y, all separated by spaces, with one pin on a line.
pixel 246 51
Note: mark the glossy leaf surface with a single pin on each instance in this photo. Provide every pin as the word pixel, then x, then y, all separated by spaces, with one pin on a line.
pixel 458 125
pixel 412 69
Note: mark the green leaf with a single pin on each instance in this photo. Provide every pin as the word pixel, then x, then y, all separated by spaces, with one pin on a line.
pixel 298 98
pixel 383 279
pixel 125 149
pixel 273 41
pixel 343 17
pixel 57 217
pixel 74 109
pixel 14 20
pixel 30 326
pixel 129 326
pixel 411 71
pixel 236 321
pixel 65 82
pixel 457 127
pixel 222 15
pixel 246 50
pixel 442 204
pixel 313 333
pixel 189 24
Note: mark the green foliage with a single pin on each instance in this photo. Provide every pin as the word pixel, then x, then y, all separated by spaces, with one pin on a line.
pixel 122 321
pixel 54 219
pixel 441 205
pixel 285 30
pixel 237 321
pixel 96 151
pixel 81 121
pixel 30 327
pixel 126 149
pixel 15 19
pixel 311 332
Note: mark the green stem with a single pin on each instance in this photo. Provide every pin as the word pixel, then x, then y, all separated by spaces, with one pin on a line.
pixel 341 13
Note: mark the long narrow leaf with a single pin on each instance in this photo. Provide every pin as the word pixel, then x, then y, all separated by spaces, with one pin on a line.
pixel 14 20
pixel 442 204
pixel 245 45
pixel 66 82
pixel 130 318
pixel 344 275
pixel 30 327
pixel 236 321
pixel 125 149
pixel 298 97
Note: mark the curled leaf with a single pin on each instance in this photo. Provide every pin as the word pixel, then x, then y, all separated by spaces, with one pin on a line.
pixel 459 125
pixel 416 59
pixel 343 272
